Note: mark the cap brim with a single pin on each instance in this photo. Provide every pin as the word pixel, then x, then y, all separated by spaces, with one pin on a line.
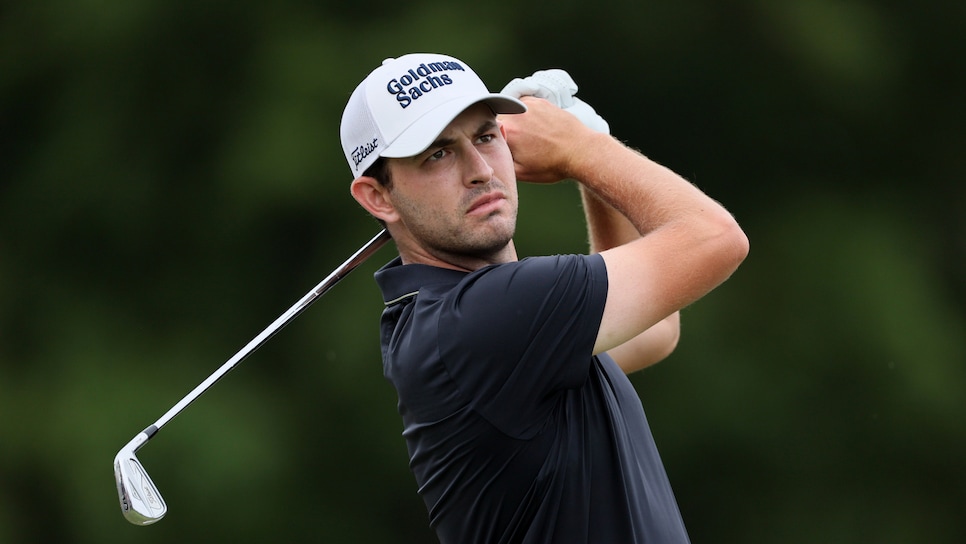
pixel 424 131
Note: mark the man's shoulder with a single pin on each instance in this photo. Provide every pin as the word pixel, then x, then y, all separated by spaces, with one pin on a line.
pixel 528 278
pixel 541 266
pixel 398 280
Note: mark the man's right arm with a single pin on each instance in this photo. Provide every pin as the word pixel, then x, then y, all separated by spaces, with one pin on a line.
pixel 689 243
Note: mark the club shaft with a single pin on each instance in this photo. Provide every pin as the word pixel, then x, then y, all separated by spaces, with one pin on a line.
pixel 351 263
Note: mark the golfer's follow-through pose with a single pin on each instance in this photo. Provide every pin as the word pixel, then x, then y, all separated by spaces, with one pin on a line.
pixel 520 422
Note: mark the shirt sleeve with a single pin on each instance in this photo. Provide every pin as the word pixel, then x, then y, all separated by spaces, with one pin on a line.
pixel 520 335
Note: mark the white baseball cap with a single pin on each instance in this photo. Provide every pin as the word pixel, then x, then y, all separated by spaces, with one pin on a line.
pixel 402 107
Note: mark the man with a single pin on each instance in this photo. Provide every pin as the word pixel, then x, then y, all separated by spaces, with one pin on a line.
pixel 521 424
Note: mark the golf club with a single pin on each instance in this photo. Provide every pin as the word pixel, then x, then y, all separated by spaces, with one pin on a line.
pixel 141 503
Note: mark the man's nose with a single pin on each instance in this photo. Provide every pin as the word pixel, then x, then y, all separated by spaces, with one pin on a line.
pixel 478 169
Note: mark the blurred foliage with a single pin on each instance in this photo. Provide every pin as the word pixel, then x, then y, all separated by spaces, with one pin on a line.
pixel 171 180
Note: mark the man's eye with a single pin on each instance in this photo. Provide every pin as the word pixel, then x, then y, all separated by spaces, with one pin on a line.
pixel 486 138
pixel 437 156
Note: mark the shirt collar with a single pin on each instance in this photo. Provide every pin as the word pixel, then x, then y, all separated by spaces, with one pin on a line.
pixel 398 281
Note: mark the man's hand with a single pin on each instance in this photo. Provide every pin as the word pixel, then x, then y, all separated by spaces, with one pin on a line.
pixel 547 141
pixel 544 143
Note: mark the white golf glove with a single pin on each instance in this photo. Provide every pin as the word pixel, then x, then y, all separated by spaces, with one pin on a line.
pixel 558 87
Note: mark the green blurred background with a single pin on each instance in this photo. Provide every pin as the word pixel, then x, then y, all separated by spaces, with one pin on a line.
pixel 171 180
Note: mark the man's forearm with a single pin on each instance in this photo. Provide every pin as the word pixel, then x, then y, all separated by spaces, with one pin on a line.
pixel 648 194
pixel 606 227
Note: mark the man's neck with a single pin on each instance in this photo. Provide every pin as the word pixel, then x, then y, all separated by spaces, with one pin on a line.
pixel 457 261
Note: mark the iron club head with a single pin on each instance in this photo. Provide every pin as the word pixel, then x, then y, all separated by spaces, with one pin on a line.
pixel 141 503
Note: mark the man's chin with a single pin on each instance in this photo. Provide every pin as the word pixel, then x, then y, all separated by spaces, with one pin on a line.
pixel 485 245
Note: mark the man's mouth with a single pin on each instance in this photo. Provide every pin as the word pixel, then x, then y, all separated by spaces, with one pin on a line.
pixel 486 204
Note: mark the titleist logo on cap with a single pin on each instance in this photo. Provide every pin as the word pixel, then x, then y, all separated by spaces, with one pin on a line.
pixel 421 80
pixel 361 152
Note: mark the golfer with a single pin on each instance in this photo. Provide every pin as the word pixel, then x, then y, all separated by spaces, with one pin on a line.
pixel 520 421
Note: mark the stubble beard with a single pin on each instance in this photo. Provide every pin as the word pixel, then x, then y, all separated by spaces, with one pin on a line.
pixel 481 238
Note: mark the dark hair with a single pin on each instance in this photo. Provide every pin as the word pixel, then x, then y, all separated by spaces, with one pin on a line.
pixel 380 171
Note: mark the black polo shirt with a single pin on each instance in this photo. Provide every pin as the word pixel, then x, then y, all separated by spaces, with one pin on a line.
pixel 516 432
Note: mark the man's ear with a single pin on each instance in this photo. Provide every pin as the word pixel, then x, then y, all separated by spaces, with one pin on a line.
pixel 374 197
